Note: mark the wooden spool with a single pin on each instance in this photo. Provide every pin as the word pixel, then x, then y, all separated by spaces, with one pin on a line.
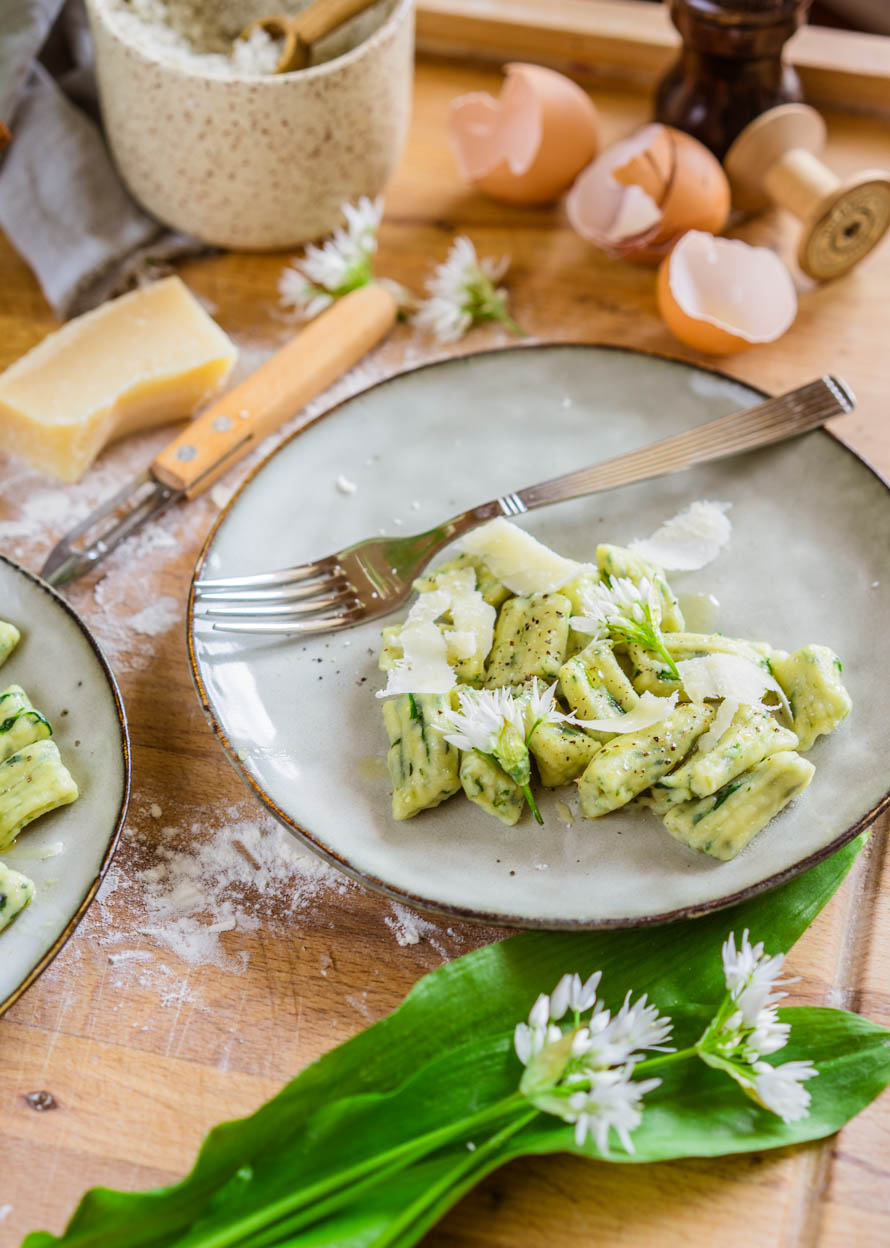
pixel 776 160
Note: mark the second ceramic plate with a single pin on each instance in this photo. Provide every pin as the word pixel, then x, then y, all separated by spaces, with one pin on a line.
pixel 809 562
pixel 67 852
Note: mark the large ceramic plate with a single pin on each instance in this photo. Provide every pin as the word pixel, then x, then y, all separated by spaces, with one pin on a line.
pixel 809 561
pixel 66 852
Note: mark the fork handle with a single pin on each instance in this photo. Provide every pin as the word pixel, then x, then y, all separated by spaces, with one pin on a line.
pixel 772 421
pixel 320 353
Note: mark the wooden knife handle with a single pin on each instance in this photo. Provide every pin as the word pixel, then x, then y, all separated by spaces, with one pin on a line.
pixel 325 349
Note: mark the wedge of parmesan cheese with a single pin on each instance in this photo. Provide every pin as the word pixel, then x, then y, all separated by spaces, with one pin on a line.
pixel 688 540
pixel 518 560
pixel 147 358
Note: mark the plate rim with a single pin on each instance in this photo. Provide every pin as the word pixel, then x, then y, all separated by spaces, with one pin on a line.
pixel 126 754
pixel 468 914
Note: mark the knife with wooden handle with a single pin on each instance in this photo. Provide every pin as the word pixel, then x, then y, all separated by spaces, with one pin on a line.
pixel 231 427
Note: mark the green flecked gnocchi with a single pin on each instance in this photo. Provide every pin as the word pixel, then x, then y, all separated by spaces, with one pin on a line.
pixel 632 762
pixel 811 680
pixel 33 778
pixel 723 824
pixel 9 639
pixel 32 782
pixel 595 686
pixel 423 766
pixel 683 645
pixel 587 698
pixel 751 737
pixel 602 671
pixel 561 752
pixel 530 640
pixel 650 674
pixel 575 589
pixel 606 705
pixel 16 890
pixel 20 723
pixel 486 784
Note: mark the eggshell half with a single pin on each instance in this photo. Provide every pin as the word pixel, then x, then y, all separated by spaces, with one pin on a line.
pixel 721 295
pixel 643 193
pixel 527 146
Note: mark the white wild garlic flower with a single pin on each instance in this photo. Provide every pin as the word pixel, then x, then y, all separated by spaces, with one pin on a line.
pixel 623 609
pixel 482 717
pixel 619 601
pixel 539 707
pixel 342 264
pixel 751 975
pixel 580 1059
pixel 779 1088
pixel 571 994
pixel 464 291
pixel 484 713
pixel 747 1029
pixel 584 1075
pixel 493 722
pixel 611 1102
pixel 616 1040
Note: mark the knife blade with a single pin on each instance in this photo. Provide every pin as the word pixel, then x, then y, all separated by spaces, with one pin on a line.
pixel 227 430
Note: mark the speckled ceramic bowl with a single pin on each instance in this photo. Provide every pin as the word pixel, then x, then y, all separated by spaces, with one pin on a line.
pixel 258 162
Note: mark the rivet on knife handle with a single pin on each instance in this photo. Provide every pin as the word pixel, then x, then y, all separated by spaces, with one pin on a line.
pixel 325 349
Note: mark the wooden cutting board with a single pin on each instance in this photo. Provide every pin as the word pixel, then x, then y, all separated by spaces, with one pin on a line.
pixel 142 1049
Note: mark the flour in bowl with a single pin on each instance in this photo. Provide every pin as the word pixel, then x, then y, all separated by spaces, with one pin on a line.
pixel 191 37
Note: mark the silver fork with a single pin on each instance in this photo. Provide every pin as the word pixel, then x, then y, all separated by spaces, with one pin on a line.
pixel 373 577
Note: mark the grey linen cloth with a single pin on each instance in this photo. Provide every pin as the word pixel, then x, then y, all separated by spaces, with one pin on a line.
pixel 62 204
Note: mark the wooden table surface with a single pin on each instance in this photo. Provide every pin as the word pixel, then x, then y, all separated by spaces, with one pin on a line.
pixel 142 1055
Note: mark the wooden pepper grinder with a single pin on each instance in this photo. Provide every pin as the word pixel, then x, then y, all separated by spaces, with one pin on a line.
pixel 730 69
pixel 776 160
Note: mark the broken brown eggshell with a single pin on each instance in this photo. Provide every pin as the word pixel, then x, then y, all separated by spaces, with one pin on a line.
pixel 644 192
pixel 721 295
pixel 529 145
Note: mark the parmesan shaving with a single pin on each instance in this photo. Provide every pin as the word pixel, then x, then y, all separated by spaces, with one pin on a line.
pixel 721 724
pixel 518 560
pixel 427 649
pixel 689 540
pixel 473 617
pixel 648 711
pixel 727 676
pixel 424 666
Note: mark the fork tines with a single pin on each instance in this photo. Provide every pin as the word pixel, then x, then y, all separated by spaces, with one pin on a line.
pixel 281 602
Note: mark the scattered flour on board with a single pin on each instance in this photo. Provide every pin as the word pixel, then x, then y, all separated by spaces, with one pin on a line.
pixel 122 630
pixel 45 509
pixel 410 928
pixel 184 887
pixel 157 617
